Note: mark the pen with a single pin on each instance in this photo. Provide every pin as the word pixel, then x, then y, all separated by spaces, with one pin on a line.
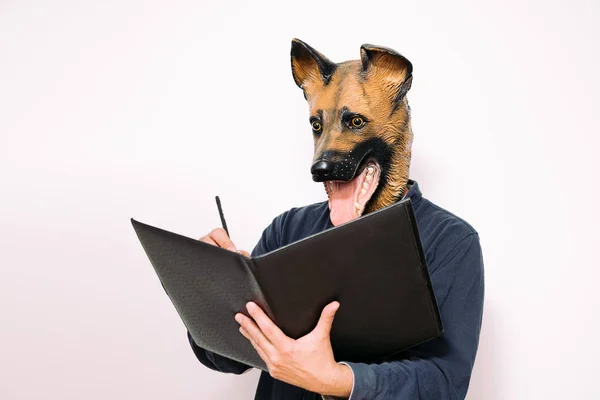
pixel 221 215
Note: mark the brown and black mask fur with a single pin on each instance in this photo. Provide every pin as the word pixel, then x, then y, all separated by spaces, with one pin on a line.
pixel 361 112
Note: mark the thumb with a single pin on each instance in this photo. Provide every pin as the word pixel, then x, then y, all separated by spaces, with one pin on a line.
pixel 323 327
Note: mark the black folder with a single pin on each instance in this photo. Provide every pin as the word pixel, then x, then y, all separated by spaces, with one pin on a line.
pixel 374 266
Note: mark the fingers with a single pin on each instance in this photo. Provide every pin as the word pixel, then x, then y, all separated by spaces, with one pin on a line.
pixel 323 327
pixel 268 328
pixel 258 349
pixel 254 333
pixel 207 239
pixel 219 236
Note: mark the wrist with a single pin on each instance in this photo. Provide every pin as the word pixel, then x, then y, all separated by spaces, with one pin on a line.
pixel 340 382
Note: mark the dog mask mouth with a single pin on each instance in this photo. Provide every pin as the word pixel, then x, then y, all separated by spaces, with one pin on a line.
pixel 352 179
pixel 348 199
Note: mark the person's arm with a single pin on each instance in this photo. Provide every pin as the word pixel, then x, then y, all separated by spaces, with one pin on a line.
pixel 267 242
pixel 215 361
pixel 440 369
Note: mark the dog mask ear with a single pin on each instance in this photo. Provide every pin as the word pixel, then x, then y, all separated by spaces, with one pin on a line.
pixel 388 66
pixel 308 65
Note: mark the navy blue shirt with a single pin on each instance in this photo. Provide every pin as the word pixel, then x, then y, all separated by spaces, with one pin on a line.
pixel 438 369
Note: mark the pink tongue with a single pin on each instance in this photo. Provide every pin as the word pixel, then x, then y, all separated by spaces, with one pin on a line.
pixel 341 201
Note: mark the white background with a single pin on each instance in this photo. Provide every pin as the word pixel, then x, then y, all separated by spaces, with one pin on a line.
pixel 147 109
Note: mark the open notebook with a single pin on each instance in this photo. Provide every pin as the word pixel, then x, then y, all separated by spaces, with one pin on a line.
pixel 374 266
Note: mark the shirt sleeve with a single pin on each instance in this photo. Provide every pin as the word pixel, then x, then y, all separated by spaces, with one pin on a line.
pixel 441 368
pixel 214 361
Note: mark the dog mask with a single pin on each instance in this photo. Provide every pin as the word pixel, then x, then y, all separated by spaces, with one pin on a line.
pixel 360 120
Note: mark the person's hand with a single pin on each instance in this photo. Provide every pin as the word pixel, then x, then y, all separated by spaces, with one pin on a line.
pixel 307 362
pixel 218 237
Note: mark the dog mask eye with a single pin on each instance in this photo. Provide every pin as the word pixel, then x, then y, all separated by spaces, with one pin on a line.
pixel 357 122
pixel 316 126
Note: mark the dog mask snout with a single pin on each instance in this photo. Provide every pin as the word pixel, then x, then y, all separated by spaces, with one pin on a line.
pixel 321 170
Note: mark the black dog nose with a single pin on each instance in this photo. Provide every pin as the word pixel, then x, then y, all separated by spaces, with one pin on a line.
pixel 321 169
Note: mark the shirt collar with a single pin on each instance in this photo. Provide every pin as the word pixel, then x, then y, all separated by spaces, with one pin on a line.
pixel 414 193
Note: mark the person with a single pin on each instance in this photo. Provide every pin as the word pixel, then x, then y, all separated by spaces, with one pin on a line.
pixel 371 173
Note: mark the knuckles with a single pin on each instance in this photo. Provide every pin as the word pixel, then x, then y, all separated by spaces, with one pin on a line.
pixel 274 373
pixel 274 367
pixel 279 360
pixel 287 349
pixel 275 361
pixel 267 329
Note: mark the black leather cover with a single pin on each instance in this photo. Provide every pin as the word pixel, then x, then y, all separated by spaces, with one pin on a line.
pixel 374 266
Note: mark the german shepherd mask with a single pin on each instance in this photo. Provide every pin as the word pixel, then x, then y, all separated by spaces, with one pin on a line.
pixel 360 120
